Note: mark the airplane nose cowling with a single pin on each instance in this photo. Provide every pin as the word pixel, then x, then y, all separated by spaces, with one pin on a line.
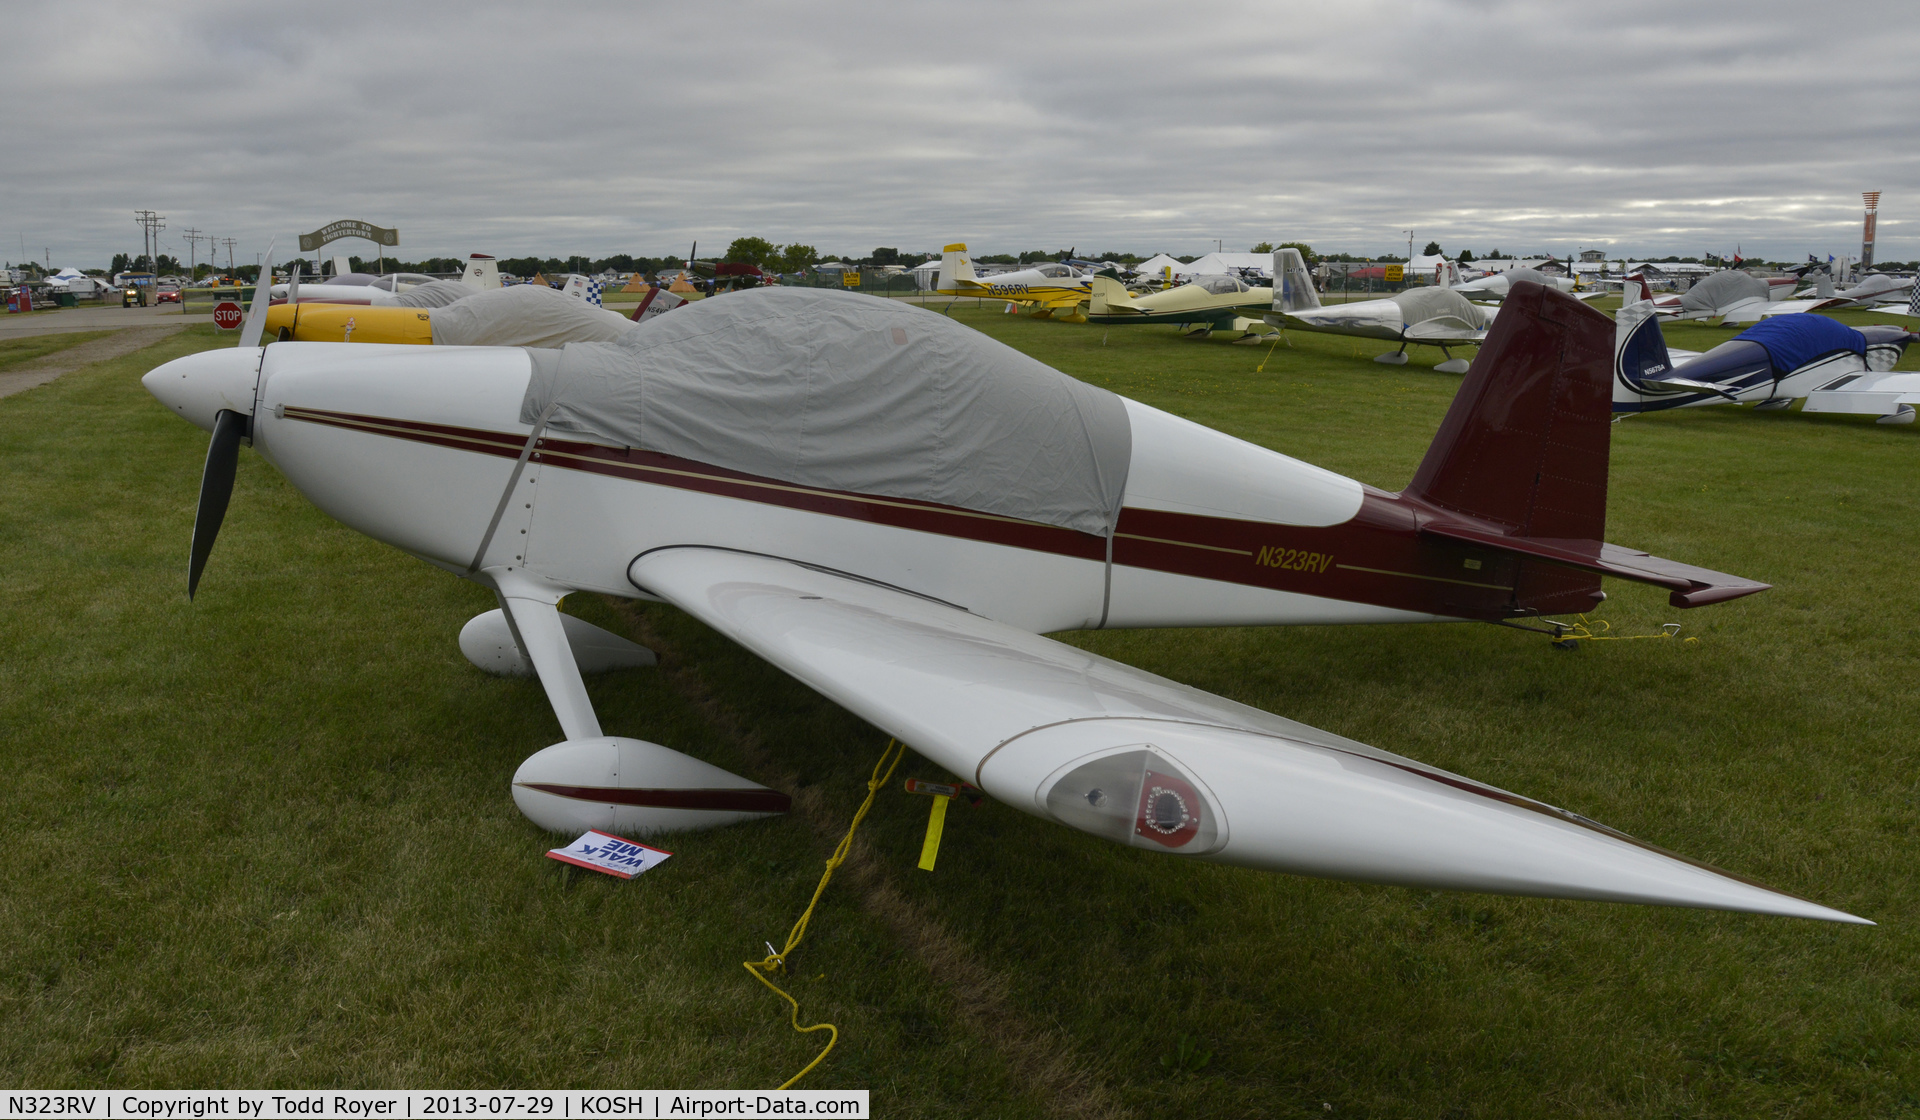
pixel 201 386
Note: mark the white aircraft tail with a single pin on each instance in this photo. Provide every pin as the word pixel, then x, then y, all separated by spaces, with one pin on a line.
pixel 1293 288
pixel 576 286
pixel 1107 293
pixel 956 268
pixel 1635 289
pixel 341 267
pixel 482 272
pixel 1823 285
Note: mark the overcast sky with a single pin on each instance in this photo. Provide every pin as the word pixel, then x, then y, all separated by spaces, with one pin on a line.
pixel 1681 126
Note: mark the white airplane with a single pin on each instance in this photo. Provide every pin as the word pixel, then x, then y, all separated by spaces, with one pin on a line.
pixel 893 508
pixel 359 288
pixel 1430 316
pixel 1048 288
pixel 1837 368
pixel 1495 286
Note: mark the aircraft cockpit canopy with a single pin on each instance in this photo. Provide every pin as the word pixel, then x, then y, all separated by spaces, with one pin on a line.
pixel 837 391
pixel 1221 285
pixel 1055 270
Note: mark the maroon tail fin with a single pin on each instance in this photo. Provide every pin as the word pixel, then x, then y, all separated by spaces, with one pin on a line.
pixel 1525 444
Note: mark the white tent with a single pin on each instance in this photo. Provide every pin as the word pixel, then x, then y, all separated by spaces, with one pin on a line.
pixel 1214 263
pixel 1160 261
pixel 925 276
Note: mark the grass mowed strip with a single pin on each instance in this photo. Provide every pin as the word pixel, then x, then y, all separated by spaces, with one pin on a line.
pixel 266 839
pixel 16 352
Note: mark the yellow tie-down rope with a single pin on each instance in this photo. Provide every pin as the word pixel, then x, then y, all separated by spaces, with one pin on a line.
pixel 776 962
pixel 1582 630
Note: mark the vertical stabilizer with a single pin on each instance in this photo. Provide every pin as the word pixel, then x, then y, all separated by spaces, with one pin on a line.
pixel 1107 296
pixel 482 272
pixel 956 268
pixel 1526 442
pixel 1292 285
pixel 1639 351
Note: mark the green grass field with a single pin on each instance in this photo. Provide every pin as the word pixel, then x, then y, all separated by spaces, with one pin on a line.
pixel 266 839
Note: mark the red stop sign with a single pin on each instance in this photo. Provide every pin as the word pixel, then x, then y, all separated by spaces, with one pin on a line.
pixel 227 315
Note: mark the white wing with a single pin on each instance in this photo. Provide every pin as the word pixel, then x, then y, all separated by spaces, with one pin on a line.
pixel 1107 748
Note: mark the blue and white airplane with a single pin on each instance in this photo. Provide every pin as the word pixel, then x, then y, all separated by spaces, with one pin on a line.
pixel 1837 368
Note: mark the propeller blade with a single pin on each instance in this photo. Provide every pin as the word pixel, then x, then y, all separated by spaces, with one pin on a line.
pixel 262 295
pixel 216 488
pixel 293 301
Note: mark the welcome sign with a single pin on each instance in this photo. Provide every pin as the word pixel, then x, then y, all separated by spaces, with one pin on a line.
pixel 348 227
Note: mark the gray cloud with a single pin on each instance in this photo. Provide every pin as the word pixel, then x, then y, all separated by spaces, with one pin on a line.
pixel 1641 127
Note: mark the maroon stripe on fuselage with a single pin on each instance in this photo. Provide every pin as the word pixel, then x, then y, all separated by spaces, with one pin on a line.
pixel 1378 556
pixel 715 800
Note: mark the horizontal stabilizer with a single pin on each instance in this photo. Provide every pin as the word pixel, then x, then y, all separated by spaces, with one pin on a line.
pixel 1689 586
pixel 1434 330
pixel 1683 385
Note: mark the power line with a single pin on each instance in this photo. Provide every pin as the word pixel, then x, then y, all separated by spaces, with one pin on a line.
pixel 193 237
pixel 150 225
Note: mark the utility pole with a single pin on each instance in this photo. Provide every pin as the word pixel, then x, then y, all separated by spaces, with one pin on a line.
pixel 229 243
pixel 150 225
pixel 192 237
pixel 1409 234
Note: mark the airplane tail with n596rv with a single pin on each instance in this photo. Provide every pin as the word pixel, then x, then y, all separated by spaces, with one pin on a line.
pixel 1049 289
pixel 893 508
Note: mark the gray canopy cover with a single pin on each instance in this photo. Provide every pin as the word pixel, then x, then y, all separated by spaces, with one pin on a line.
pixel 1722 290
pixel 847 392
pixel 525 315
pixel 438 293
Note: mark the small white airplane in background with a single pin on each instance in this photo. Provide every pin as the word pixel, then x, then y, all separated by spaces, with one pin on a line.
pixel 1495 286
pixel 893 508
pixel 361 288
pixel 1429 316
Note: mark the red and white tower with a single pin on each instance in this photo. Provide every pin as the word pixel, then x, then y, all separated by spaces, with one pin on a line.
pixel 1872 199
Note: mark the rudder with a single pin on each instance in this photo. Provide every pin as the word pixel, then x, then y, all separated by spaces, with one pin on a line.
pixel 1293 288
pixel 955 268
pixel 1525 444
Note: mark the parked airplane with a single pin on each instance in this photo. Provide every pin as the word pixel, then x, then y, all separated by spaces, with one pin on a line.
pixel 1200 307
pixel 481 273
pixel 1430 316
pixel 1048 288
pixel 1781 358
pixel 450 313
pixel 1495 287
pixel 893 508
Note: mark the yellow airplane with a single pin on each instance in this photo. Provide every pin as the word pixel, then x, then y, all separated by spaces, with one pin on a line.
pixel 1048 288
pixel 1198 308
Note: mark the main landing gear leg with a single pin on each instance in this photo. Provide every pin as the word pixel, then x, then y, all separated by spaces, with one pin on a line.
pixel 1452 364
pixel 533 610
